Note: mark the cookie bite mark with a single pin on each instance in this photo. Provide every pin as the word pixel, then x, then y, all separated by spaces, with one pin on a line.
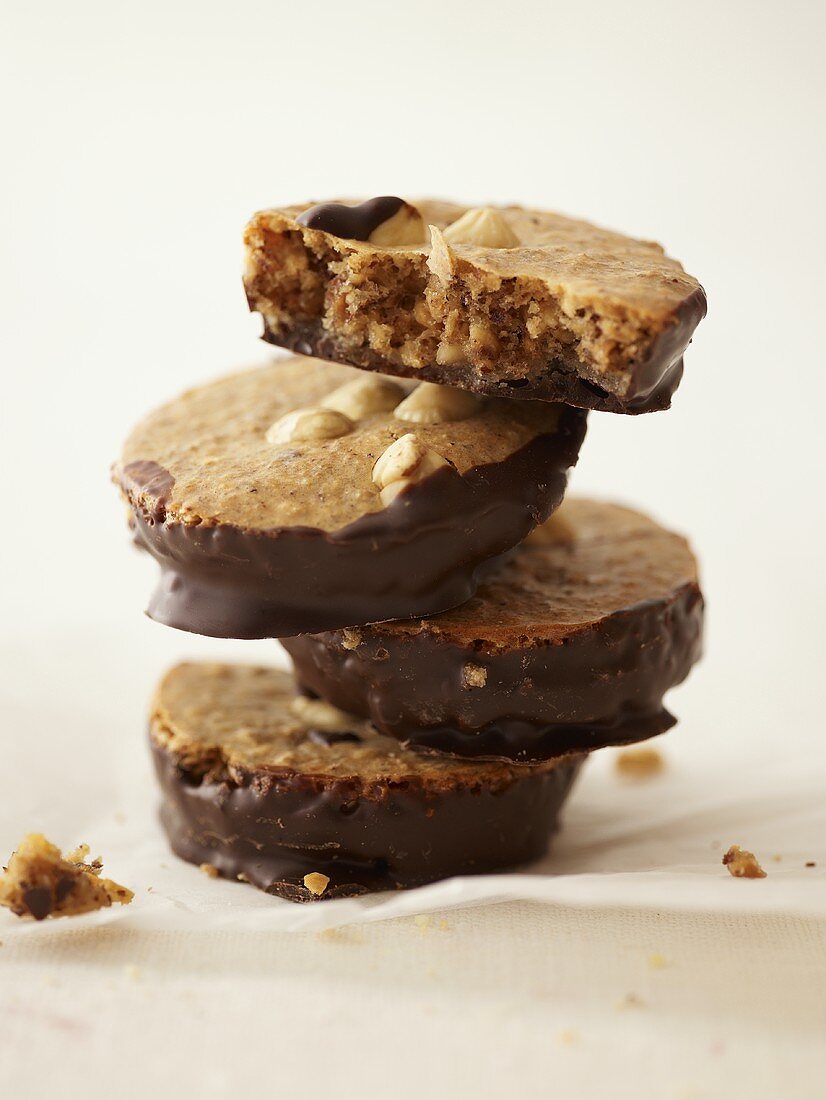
pixel 508 301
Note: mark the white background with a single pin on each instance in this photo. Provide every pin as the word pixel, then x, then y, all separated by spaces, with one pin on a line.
pixel 138 139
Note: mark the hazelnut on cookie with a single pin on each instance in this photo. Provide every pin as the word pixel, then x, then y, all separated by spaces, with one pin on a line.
pixel 307 496
pixel 504 300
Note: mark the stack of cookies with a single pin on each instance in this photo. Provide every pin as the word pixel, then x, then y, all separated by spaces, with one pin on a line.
pixel 460 641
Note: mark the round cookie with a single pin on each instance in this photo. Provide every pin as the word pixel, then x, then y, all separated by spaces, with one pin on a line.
pixel 569 646
pixel 304 496
pixel 306 802
pixel 502 300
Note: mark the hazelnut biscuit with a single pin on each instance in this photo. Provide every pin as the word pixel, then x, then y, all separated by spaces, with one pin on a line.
pixel 497 300
pixel 309 803
pixel 308 496
pixel 569 646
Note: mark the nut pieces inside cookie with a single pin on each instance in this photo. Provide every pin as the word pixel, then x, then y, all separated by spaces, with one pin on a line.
pixel 311 424
pixel 482 226
pixel 364 397
pixel 405 462
pixel 474 676
pixel 432 404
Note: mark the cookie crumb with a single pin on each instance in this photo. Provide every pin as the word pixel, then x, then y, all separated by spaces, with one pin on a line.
pixel 423 922
pixel 630 1000
pixel 330 934
pixel 474 676
pixel 316 883
pixel 656 961
pixel 567 1037
pixel 132 972
pixel 810 863
pixel 208 869
pixel 350 638
pixel 640 763
pixel 39 882
pixel 742 864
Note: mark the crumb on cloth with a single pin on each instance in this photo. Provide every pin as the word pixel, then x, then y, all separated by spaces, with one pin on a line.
pixel 40 882
pixel 640 763
pixel 742 864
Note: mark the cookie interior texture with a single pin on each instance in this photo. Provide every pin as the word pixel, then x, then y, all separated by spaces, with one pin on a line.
pixel 229 721
pixel 206 460
pixel 615 311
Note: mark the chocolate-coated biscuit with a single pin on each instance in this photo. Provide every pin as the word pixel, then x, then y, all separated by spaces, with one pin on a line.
pixel 306 496
pixel 507 301
pixel 570 645
pixel 306 802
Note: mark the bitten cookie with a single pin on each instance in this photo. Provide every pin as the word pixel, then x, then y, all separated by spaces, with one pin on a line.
pixel 499 300
pixel 306 496
pixel 303 801
pixel 569 646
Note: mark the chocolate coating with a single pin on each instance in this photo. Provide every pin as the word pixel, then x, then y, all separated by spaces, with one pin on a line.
pixel 272 829
pixel 655 384
pixel 608 319
pixel 553 680
pixel 355 223
pixel 422 554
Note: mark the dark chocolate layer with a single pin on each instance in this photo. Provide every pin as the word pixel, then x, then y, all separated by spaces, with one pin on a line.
pixel 603 685
pixel 275 829
pixel 654 380
pixel 353 222
pixel 423 554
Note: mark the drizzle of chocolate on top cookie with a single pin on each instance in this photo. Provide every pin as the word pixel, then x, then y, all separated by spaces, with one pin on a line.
pixel 353 223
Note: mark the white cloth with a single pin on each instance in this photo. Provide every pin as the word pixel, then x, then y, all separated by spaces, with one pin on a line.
pixel 137 145
pixel 647 971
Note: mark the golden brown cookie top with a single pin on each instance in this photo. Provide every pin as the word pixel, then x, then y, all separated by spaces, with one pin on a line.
pixel 582 264
pixel 303 443
pixel 589 561
pixel 217 718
